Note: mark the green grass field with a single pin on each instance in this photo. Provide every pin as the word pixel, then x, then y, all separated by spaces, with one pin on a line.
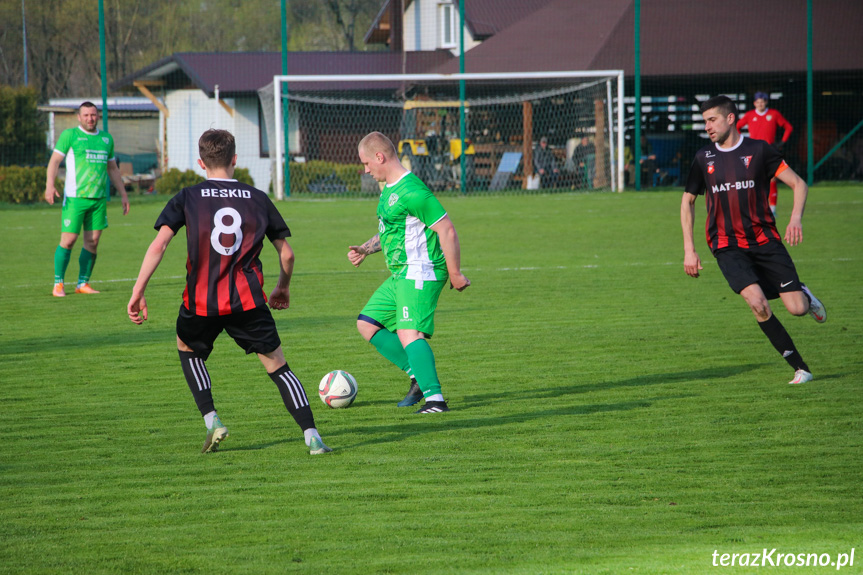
pixel 610 414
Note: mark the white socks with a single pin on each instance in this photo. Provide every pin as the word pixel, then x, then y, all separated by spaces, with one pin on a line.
pixel 310 433
pixel 209 419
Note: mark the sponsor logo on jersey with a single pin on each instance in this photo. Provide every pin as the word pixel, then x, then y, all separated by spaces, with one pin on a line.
pixel 709 154
pixel 710 168
pixel 218 193
pixel 745 185
pixel 746 160
pixel 393 199
pixel 97 156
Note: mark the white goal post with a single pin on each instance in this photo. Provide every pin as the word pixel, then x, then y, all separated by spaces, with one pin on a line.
pixel 354 89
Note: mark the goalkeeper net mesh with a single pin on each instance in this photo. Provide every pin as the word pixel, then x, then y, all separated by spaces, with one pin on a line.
pixel 539 132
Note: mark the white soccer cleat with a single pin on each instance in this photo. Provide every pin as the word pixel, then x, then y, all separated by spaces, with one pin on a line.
pixel 801 376
pixel 816 308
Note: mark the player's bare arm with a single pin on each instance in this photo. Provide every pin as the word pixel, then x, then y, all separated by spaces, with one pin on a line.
pixel 452 252
pixel 53 167
pixel 137 307
pixel 117 179
pixel 280 298
pixel 691 261
pixel 794 231
pixel 358 253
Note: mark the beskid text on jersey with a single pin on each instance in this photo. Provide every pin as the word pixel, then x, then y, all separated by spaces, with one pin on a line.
pixel 218 193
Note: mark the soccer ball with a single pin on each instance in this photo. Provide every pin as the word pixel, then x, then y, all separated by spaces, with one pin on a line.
pixel 338 389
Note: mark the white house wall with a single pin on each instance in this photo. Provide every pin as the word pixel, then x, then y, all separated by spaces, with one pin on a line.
pixel 193 113
pixel 247 133
pixel 422 28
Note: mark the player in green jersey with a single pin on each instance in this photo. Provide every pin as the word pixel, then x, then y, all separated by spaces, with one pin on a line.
pixel 89 155
pixel 422 252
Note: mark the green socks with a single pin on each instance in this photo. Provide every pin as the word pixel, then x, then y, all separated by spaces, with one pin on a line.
pixel 422 361
pixel 417 359
pixel 86 262
pixel 61 262
pixel 388 345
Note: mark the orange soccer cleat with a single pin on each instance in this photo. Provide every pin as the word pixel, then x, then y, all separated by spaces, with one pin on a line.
pixel 59 291
pixel 85 288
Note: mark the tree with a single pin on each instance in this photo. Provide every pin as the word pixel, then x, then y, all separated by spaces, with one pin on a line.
pixel 22 128
pixel 63 35
pixel 348 14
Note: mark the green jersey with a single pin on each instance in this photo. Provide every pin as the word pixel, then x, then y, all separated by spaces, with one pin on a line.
pixel 87 157
pixel 406 212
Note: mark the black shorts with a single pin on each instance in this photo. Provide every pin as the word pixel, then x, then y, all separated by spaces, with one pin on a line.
pixel 769 266
pixel 253 330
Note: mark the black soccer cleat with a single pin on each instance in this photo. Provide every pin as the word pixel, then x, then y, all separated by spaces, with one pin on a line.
pixel 433 407
pixel 413 397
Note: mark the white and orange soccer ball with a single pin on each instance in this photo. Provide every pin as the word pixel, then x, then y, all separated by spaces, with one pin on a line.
pixel 338 389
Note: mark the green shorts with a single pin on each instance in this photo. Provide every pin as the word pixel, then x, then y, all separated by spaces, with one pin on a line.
pixel 91 214
pixel 405 304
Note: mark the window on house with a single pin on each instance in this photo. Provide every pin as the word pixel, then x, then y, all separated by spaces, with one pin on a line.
pixel 446 13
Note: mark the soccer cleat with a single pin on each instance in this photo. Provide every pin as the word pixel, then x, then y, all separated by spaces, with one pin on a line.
pixel 59 291
pixel 85 288
pixel 214 437
pixel 317 447
pixel 801 376
pixel 433 407
pixel 816 308
pixel 413 397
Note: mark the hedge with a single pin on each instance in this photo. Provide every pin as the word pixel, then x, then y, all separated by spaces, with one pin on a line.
pixel 20 185
pixel 319 177
pixel 174 180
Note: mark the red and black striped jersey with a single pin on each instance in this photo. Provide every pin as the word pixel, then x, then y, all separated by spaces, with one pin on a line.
pixel 736 184
pixel 226 223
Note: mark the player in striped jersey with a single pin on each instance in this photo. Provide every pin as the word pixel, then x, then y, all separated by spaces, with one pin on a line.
pixel 226 223
pixel 422 252
pixel 734 175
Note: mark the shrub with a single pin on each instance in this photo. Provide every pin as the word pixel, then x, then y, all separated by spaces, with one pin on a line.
pixel 319 177
pixel 20 185
pixel 174 180
pixel 22 128
pixel 242 175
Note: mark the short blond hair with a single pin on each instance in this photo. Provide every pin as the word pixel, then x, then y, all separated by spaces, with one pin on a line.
pixel 377 142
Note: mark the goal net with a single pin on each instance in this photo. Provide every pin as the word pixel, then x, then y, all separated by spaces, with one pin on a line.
pixel 545 131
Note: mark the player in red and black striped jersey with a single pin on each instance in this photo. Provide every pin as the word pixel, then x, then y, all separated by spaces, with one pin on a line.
pixel 734 174
pixel 226 223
